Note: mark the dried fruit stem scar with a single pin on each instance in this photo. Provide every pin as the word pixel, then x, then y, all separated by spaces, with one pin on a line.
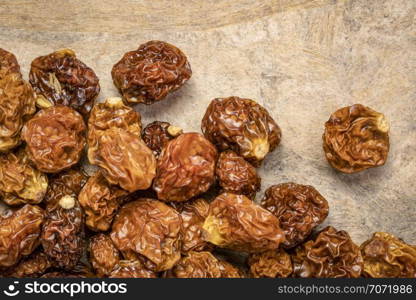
pixel 382 123
pixel 260 148
pixel 67 202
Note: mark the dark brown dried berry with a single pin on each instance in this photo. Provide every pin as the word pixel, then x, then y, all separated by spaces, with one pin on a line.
pixel 270 264
pixel 185 168
pixel 55 138
pixel 332 254
pixel 100 201
pixel 193 214
pixel 149 73
pixel 241 125
pixel 63 233
pixel 104 256
pixel 148 230
pixel 66 183
pixel 17 105
pixel 20 183
pixel 61 78
pixel 387 256
pixel 157 134
pixel 236 175
pixel 356 138
pixel 131 269
pixel 299 208
pixel 237 223
pixel 19 234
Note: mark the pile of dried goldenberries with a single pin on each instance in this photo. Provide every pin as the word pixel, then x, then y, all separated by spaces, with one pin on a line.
pixel 164 202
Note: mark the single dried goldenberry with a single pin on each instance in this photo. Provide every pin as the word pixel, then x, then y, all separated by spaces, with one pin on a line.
pixel 148 230
pixel 299 208
pixel 20 183
pixel 8 63
pixel 151 72
pixel 332 254
pixel 61 78
pixel 63 232
pixel 387 256
pixel 19 233
pixel 185 168
pixel 241 125
pixel 104 256
pixel 236 175
pixel 55 138
pixel 33 266
pixel 100 201
pixel 157 134
pixel 356 138
pixel 270 264
pixel 237 223
pixel 131 269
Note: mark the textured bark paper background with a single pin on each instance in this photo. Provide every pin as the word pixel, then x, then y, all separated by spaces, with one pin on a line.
pixel 301 59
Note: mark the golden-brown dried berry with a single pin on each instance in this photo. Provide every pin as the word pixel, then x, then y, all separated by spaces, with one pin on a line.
pixel 104 256
pixel 299 208
pixel 66 183
pixel 17 105
pixel 20 183
pixel 185 168
pixel 270 264
pixel 32 266
pixel 387 256
pixel 157 134
pixel 193 215
pixel 131 269
pixel 100 201
pixel 54 138
pixel 332 254
pixel 151 72
pixel 236 175
pixel 237 223
pixel 8 63
pixel 148 230
pixel 197 265
pixel 61 78
pixel 241 125
pixel 19 234
pixel 63 233
pixel 356 138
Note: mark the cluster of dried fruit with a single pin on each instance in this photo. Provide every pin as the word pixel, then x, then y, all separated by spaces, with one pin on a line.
pixel 149 211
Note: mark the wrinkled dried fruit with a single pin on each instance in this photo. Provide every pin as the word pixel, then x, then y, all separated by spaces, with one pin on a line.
pixel 157 134
pixel 115 145
pixel 332 254
pixel 387 256
pixel 131 269
pixel 20 183
pixel 62 275
pixel 185 168
pixel 237 223
pixel 236 175
pixel 112 113
pixel 19 234
pixel 55 138
pixel 66 183
pixel 100 202
pixel 8 63
pixel 33 266
pixel 356 138
pixel 270 264
pixel 202 265
pixel 61 78
pixel 17 105
pixel 149 230
pixel 63 232
pixel 81 270
pixel 151 72
pixel 241 125
pixel 299 208
pixel 104 255
pixel 229 271
pixel 193 215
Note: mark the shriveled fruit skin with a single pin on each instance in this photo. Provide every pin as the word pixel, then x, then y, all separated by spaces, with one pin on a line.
pixel 151 72
pixel 157 134
pixel 104 256
pixel 241 125
pixel 131 269
pixel 8 63
pixel 32 266
pixel 185 168
pixel 356 138
pixel 270 264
